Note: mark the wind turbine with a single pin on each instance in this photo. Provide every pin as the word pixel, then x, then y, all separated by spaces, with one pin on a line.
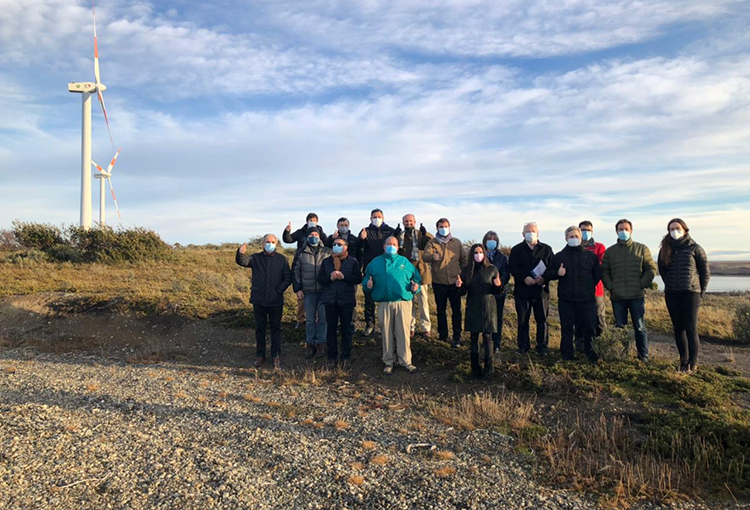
pixel 102 175
pixel 86 89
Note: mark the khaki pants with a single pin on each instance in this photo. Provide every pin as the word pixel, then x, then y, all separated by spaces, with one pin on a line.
pixel 301 310
pixel 394 318
pixel 420 311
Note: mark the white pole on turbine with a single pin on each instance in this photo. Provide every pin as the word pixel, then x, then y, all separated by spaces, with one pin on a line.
pixel 86 162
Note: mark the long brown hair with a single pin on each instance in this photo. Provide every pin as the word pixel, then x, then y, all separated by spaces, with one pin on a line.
pixel 665 252
pixel 485 261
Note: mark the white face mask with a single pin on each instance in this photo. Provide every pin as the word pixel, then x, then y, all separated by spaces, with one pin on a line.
pixel 574 241
pixel 479 257
pixel 530 237
pixel 676 234
pixel 376 222
pixel 312 223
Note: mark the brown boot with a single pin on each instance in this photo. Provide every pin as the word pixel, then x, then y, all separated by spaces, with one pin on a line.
pixel 277 363
pixel 311 350
pixel 259 362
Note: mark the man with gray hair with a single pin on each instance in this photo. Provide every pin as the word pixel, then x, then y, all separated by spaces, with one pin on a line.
pixel 411 244
pixel 271 277
pixel 391 281
pixel 528 261
pixel 579 272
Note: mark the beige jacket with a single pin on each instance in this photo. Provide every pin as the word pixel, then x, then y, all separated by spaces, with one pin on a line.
pixel 453 258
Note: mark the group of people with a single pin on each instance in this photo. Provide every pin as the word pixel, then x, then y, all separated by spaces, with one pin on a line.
pixel 396 267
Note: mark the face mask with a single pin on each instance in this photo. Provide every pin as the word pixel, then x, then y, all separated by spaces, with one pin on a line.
pixel 338 249
pixel 391 250
pixel 478 257
pixel 311 224
pixel 573 242
pixel 676 234
pixel 491 245
pixel 530 237
pixel 586 235
pixel 343 230
pixel 444 231
pixel 269 247
pixel 376 222
pixel 623 235
pixel 313 240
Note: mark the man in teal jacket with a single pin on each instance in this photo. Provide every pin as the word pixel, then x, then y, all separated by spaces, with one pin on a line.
pixel 392 281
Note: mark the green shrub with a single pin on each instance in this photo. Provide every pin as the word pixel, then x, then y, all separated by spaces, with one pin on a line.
pixel 613 343
pixel 37 236
pixel 23 258
pixel 741 323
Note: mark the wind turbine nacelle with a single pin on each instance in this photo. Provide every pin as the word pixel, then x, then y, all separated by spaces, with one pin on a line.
pixel 97 175
pixel 86 86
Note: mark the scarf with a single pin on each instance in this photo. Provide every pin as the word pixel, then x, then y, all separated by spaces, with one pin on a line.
pixel 337 259
pixel 409 243
pixel 444 240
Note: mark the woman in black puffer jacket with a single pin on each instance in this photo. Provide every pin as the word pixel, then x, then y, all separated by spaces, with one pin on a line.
pixel 683 267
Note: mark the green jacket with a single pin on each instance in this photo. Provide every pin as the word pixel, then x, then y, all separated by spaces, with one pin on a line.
pixel 391 278
pixel 627 269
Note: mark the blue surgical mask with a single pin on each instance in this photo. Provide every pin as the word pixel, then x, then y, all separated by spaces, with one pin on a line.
pixel 343 230
pixel 391 250
pixel 338 249
pixel 586 235
pixel 444 231
pixel 491 245
pixel 623 235
pixel 312 224
pixel 270 247
pixel 313 240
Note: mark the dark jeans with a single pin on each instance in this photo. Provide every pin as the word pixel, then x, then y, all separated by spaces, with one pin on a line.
pixel 369 309
pixel 476 368
pixel 264 315
pixel 637 309
pixel 578 316
pixel 338 316
pixel 540 306
pixel 497 338
pixel 683 309
pixel 443 294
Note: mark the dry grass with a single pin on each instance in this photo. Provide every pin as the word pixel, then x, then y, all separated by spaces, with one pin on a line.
pixel 445 472
pixel 369 445
pixel 443 455
pixel 356 480
pixel 92 387
pixel 251 398
pixel 357 466
pixel 307 421
pixel 485 410
pixel 180 394
pixel 379 460
pixel 202 399
pixel 340 425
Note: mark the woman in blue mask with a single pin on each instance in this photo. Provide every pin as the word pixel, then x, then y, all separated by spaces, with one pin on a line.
pixel 339 275
pixel 683 267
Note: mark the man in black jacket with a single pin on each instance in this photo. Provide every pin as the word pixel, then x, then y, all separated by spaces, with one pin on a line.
pixel 271 277
pixel 371 240
pixel 342 232
pixel 530 290
pixel 579 272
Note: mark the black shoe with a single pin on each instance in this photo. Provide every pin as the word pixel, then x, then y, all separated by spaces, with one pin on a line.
pixel 311 350
pixel 522 352
pixel 345 365
pixel 543 353
pixel 259 362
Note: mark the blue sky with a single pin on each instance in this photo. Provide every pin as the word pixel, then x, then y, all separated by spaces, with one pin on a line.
pixel 236 117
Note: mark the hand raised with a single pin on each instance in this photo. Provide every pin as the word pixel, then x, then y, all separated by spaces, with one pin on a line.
pixel 561 271
pixel 336 234
pixel 363 234
pixel 288 228
pixel 243 248
pixel 422 230
pixel 496 281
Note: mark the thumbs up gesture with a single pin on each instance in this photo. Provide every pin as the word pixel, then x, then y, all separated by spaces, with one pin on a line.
pixel 369 283
pixel 363 234
pixel 561 271
pixel 243 248
pixel 422 230
pixel 458 281
pixel 288 228
pixel 496 281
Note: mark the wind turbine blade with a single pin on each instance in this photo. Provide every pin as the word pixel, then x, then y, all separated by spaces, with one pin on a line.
pixel 98 167
pixel 106 119
pixel 109 180
pixel 96 47
pixel 112 163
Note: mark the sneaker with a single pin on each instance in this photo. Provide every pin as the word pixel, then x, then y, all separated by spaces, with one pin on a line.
pixel 410 368
pixel 456 344
pixel 277 363
pixel 311 350
pixel 369 329
pixel 259 362
pixel 388 370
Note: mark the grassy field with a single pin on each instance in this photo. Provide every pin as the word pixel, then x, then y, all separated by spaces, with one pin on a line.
pixel 624 430
pixel 730 268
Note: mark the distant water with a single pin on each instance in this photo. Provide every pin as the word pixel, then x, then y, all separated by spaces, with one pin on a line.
pixel 721 284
